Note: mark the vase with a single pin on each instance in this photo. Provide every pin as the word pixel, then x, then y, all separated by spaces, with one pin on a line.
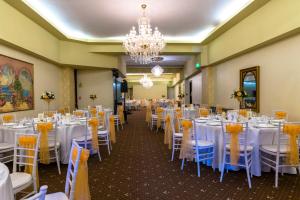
pixel 48 101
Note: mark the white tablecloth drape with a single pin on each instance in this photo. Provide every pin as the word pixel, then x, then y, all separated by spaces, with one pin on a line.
pixel 6 190
pixel 256 137
pixel 65 135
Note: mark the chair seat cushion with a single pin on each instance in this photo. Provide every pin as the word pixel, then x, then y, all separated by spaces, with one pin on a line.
pixel 178 134
pixel 103 133
pixel 248 147
pixel 56 196
pixel 82 138
pixel 154 116
pixel 273 148
pixel 19 179
pixel 202 143
pixel 6 146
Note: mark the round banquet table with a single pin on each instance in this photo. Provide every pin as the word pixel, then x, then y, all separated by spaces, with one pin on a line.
pixel 65 135
pixel 6 190
pixel 256 137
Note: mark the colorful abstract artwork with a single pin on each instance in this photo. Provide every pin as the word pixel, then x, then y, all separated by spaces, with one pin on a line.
pixel 16 85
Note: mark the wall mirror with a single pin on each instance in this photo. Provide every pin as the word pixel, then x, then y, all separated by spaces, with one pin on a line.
pixel 249 82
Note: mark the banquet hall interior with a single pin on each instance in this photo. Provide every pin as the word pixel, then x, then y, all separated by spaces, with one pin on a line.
pixel 149 99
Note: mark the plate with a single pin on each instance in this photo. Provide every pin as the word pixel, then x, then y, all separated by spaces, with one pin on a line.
pixel 19 127
pixel 265 126
pixel 9 124
pixel 213 124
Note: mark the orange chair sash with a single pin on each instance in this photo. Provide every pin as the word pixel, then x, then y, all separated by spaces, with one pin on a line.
pixel 102 118
pixel 94 123
pixel 29 142
pixel 79 113
pixel 159 112
pixel 168 132
pixel 43 129
pixel 293 131
pixel 8 118
pixel 186 151
pixel 243 113
pixel 121 114
pixel 280 115
pixel 234 130
pixel 112 129
pixel 203 112
pixel 93 112
pixel 82 190
pixel 148 114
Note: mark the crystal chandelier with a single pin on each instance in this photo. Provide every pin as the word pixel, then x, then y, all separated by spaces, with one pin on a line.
pixel 144 44
pixel 157 70
pixel 146 82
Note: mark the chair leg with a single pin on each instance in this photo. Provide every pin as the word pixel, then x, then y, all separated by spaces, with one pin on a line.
pixel 247 170
pixel 182 164
pixel 57 161
pixel 223 167
pixel 99 156
pixel 173 150
pixel 276 177
pixel 107 143
pixel 198 167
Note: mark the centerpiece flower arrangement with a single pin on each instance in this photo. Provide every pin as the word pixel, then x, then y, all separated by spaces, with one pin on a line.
pixel 48 96
pixel 239 95
pixel 93 97
pixel 180 96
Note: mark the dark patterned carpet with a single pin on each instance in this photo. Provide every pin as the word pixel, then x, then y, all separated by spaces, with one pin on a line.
pixel 140 168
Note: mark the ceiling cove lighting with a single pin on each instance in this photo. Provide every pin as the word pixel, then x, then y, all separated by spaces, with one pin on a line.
pixel 143 44
pixel 224 14
pixel 231 9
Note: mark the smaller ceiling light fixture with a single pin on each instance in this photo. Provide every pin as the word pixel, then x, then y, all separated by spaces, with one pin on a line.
pixel 157 71
pixel 146 82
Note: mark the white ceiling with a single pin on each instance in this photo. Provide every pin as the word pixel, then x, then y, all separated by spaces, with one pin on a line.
pixel 111 20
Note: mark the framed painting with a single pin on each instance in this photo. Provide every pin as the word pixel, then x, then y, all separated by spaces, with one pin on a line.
pixel 249 82
pixel 16 85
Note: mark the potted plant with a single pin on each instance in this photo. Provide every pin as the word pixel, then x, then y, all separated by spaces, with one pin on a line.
pixel 239 95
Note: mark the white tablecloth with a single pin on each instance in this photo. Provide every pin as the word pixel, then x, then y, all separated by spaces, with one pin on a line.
pixel 256 137
pixel 6 190
pixel 65 135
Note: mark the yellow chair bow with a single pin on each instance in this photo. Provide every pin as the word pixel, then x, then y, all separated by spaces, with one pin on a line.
pixel 186 151
pixel 121 114
pixel 49 113
pixel 62 111
pixel 178 116
pixel 293 130
pixel 79 113
pixel 29 142
pixel 243 113
pixel 8 118
pixel 94 123
pixel 93 112
pixel 148 114
pixel 234 130
pixel 168 132
pixel 280 115
pixel 112 129
pixel 82 190
pixel 43 129
pixel 219 109
pixel 102 118
pixel 203 112
pixel 159 112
